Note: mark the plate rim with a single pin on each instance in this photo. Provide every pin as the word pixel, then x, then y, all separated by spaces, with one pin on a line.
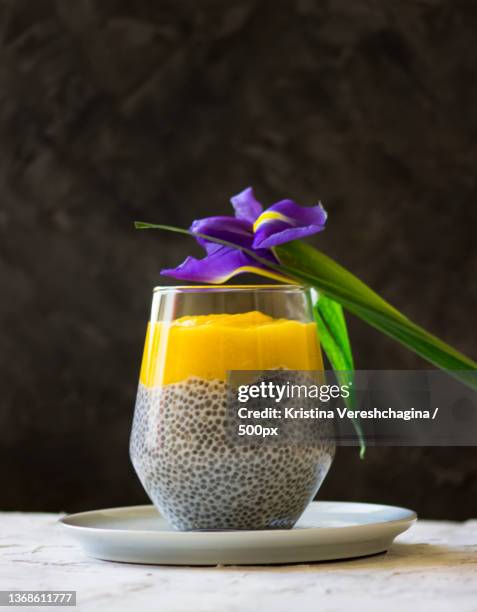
pixel 64 521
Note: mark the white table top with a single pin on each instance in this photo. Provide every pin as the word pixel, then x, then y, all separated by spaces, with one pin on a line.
pixel 431 567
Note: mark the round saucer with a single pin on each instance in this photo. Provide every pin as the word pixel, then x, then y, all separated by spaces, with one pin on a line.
pixel 326 531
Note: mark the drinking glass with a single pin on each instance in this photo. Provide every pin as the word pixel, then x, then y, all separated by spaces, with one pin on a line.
pixel 194 473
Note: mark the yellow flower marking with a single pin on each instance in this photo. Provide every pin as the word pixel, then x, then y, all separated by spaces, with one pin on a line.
pixel 253 270
pixel 270 216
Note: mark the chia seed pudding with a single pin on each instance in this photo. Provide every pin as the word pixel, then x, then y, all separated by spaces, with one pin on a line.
pixel 201 479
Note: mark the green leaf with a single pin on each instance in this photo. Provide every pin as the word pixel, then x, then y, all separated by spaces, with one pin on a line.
pixel 332 325
pixel 317 269
pixel 334 339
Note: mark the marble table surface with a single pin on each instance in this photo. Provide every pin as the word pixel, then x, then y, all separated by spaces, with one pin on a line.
pixel 432 567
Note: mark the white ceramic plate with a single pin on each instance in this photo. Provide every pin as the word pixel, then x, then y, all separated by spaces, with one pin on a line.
pixel 327 530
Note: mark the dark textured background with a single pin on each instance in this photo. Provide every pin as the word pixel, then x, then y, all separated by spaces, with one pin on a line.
pixel 115 110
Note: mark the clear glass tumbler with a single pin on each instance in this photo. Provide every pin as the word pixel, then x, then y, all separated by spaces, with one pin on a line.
pixel 195 475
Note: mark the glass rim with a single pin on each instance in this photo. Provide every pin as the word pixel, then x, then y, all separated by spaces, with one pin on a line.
pixel 228 288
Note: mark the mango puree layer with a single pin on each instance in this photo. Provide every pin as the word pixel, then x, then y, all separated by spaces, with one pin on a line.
pixel 207 346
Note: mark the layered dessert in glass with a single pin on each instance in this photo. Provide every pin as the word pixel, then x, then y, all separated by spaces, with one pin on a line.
pixel 198 475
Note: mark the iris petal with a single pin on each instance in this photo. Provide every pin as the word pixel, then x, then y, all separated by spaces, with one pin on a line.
pixel 233 230
pixel 246 205
pixel 286 221
pixel 252 228
pixel 218 266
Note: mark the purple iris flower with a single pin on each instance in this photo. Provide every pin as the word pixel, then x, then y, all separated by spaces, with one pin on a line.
pixel 253 228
